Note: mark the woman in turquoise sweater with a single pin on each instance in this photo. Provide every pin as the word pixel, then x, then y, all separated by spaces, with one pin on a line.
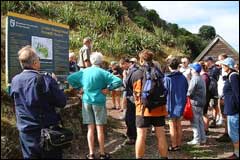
pixel 96 83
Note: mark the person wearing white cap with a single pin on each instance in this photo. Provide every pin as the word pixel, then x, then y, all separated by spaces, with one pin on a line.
pixel 129 67
pixel 220 84
pixel 231 103
pixel 134 60
pixel 185 68
pixel 96 83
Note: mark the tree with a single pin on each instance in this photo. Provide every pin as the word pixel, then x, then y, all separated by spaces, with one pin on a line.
pixel 162 24
pixel 173 28
pixel 143 22
pixel 207 32
pixel 152 16
pixel 134 8
pixel 183 31
pixel 192 43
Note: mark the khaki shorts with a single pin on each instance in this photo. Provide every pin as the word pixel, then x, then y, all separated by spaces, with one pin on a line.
pixel 175 119
pixel 93 114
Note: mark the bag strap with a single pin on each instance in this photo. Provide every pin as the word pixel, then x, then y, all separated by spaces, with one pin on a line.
pixel 129 76
pixel 232 74
pixel 83 59
pixel 40 88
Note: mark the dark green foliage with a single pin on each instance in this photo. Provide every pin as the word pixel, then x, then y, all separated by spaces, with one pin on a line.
pixel 207 32
pixel 152 16
pixel 105 22
pixel 162 24
pixel 173 28
pixel 169 33
pixel 143 22
pixel 20 6
pixel 183 31
pixel 116 10
pixel 134 8
pixel 47 9
pixel 68 14
pixel 194 44
pixel 8 6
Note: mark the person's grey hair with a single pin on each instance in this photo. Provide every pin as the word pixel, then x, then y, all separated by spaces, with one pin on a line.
pixel 27 55
pixel 86 39
pixel 71 54
pixel 96 58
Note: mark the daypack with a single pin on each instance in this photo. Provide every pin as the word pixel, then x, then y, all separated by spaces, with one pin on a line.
pixel 213 88
pixel 55 136
pixel 234 99
pixel 232 74
pixel 153 91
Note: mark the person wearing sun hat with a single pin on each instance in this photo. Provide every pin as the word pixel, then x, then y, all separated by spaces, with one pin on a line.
pixel 197 94
pixel 220 84
pixel 231 103
pixel 229 62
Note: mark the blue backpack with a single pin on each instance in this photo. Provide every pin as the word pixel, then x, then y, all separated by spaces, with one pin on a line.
pixel 154 92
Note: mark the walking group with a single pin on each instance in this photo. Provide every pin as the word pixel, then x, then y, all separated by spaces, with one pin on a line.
pixel 150 93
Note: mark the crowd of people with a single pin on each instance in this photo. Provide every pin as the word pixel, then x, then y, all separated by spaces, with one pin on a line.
pixel 125 81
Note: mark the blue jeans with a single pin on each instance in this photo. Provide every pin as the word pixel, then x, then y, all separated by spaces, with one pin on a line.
pixel 198 125
pixel 31 149
pixel 233 127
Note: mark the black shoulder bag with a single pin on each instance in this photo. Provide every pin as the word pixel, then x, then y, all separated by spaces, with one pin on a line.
pixel 55 136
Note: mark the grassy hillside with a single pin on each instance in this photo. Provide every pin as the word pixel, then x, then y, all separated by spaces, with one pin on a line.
pixel 118 28
pixel 113 32
pixel 117 31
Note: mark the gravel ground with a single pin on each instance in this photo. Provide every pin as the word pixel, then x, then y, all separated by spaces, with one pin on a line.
pixel 212 150
pixel 115 138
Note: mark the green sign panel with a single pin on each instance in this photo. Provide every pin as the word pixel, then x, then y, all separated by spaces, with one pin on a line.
pixel 49 39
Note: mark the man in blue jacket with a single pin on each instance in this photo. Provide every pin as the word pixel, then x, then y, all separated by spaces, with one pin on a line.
pixel 29 107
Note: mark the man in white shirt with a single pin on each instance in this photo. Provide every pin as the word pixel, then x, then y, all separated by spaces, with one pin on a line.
pixel 185 68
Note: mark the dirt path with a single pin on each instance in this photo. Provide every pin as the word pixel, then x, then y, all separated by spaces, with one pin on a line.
pixel 212 150
pixel 115 137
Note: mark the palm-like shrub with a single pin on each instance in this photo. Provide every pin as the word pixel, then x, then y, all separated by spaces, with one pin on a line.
pixel 68 14
pixel 102 22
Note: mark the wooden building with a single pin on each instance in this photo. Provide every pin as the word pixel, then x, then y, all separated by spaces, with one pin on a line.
pixel 216 47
